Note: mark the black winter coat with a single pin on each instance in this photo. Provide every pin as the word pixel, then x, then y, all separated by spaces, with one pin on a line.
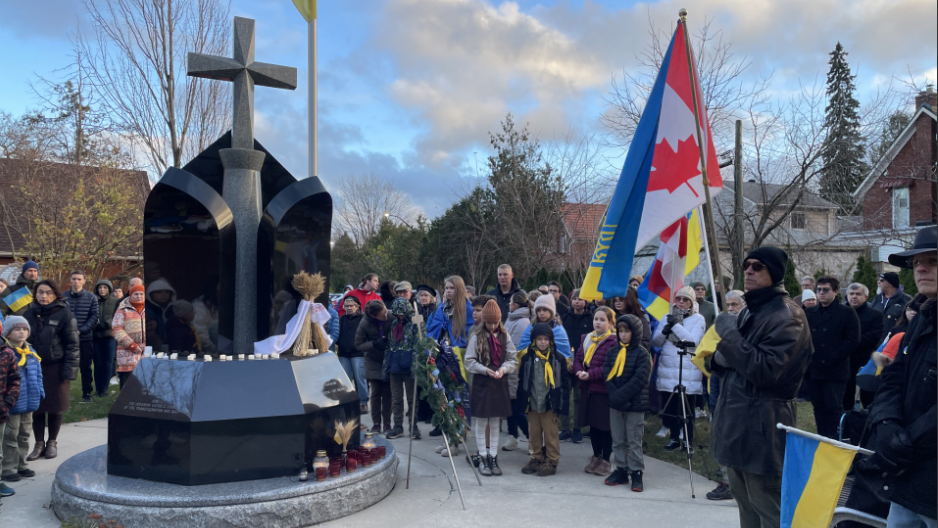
pixel 872 332
pixel 908 396
pixel 558 398
pixel 504 299
pixel 893 309
pixel 369 341
pixel 577 326
pixel 106 308
pixel 767 359
pixel 53 332
pixel 84 306
pixel 348 327
pixel 629 392
pixel 835 333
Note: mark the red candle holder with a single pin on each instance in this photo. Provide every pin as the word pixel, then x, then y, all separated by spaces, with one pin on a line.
pixel 321 473
pixel 366 459
pixel 382 451
pixel 374 454
pixel 334 470
pixel 351 464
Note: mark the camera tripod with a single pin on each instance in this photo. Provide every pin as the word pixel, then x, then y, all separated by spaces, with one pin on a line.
pixel 681 392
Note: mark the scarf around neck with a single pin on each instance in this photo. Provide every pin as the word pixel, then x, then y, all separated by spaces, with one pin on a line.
pixel 619 365
pixel 496 355
pixel 24 352
pixel 548 370
pixel 595 340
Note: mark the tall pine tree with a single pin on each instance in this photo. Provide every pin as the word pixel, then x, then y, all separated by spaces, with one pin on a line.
pixel 844 150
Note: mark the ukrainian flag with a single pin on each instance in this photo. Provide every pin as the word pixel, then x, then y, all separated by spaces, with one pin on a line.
pixel 812 478
pixel 18 299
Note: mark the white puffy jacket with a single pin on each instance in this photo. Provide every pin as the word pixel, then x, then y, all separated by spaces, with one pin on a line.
pixel 692 329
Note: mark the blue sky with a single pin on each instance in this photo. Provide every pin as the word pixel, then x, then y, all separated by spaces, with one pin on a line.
pixel 410 88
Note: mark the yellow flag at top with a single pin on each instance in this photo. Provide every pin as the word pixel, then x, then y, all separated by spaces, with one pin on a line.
pixel 307 8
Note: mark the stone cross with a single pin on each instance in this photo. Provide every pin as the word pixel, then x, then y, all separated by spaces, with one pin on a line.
pixel 244 72
pixel 241 188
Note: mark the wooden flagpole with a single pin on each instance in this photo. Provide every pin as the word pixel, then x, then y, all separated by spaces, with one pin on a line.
pixel 714 255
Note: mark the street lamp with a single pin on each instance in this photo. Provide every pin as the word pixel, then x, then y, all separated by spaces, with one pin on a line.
pixel 388 216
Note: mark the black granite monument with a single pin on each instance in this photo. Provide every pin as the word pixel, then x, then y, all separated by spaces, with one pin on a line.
pixel 224 233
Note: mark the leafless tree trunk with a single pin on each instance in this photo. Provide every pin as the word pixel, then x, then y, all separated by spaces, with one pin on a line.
pixel 365 201
pixel 136 61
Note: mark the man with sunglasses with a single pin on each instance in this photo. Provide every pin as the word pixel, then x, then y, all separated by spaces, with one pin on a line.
pixel 903 415
pixel 835 332
pixel 761 359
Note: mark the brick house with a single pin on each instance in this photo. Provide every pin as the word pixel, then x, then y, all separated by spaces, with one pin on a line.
pixel 52 182
pixel 899 193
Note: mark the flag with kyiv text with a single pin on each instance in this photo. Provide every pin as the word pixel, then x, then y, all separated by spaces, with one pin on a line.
pixel 661 180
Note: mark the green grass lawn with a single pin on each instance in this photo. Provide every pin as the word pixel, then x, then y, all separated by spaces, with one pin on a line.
pixel 80 412
pixel 703 463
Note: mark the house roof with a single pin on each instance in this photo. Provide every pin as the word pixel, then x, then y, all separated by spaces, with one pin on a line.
pixel 13 203
pixel 886 160
pixel 756 195
pixel 582 219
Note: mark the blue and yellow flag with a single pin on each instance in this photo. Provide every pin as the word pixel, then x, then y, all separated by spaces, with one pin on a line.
pixel 18 299
pixel 812 478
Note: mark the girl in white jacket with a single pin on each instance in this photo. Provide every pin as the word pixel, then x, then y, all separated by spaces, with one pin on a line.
pixel 684 324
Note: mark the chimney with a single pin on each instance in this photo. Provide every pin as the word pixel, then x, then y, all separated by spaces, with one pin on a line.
pixel 928 95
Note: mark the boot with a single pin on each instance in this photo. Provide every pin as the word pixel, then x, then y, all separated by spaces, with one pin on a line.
pixel 591 467
pixel 603 468
pixel 52 450
pixel 532 466
pixel 547 469
pixel 38 452
pixel 493 464
pixel 637 484
pixel 485 468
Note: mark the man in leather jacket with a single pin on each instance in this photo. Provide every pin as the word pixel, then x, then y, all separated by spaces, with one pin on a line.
pixel 761 360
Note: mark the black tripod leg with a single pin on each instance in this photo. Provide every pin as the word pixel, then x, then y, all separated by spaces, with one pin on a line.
pixel 687 446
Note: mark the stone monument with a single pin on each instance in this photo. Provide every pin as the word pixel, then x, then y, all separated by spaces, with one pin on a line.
pixel 213 441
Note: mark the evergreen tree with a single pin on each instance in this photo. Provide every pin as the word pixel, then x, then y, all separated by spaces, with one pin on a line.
pixel 791 282
pixel 891 130
pixel 866 274
pixel 844 150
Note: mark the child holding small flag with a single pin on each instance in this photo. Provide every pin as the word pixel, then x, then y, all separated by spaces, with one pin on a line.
pixel 545 388
pixel 627 372
pixel 594 402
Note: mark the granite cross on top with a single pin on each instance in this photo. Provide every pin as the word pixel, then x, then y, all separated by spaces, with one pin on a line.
pixel 244 72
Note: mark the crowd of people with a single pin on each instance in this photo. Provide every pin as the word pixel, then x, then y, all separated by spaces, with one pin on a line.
pixel 555 368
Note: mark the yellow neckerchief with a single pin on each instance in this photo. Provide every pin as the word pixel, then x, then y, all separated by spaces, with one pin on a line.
pixel 198 340
pixel 619 365
pixel 23 352
pixel 595 340
pixel 548 370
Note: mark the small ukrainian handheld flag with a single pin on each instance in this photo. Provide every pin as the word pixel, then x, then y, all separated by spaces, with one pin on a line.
pixel 18 299
pixel 812 478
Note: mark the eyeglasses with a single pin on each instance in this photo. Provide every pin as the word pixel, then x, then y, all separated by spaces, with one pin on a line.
pixel 754 264
pixel 919 260
pixel 824 290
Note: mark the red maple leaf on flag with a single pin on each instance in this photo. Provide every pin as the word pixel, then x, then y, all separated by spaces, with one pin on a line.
pixel 673 169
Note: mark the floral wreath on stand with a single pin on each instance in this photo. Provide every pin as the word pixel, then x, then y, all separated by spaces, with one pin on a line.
pixel 437 373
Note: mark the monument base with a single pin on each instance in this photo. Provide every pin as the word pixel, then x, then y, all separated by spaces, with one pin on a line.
pixel 82 486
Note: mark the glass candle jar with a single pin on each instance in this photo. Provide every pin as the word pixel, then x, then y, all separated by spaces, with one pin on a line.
pixel 369 441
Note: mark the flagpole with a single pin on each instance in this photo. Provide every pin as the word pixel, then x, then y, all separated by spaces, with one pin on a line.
pixel 824 439
pixel 706 244
pixel 311 102
pixel 708 211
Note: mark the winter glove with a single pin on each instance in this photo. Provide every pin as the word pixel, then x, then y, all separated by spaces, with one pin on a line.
pixel 894 451
pixel 381 343
pixel 725 324
pixel 720 359
pixel 673 320
pixel 666 331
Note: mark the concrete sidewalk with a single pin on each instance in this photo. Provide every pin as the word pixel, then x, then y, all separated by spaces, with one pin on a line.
pixel 571 498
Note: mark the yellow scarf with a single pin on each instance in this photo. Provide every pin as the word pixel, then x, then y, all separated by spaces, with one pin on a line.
pixel 548 370
pixel 23 352
pixel 619 365
pixel 595 340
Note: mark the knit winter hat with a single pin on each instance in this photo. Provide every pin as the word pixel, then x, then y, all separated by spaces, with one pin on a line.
pixel 136 288
pixel 542 329
pixel 774 259
pixel 491 313
pixel 14 321
pixel 807 295
pixel 891 278
pixel 29 264
pixel 686 292
pixel 547 301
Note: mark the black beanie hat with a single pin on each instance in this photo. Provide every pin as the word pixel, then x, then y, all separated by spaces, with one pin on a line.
pixel 542 329
pixel 891 278
pixel 774 259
